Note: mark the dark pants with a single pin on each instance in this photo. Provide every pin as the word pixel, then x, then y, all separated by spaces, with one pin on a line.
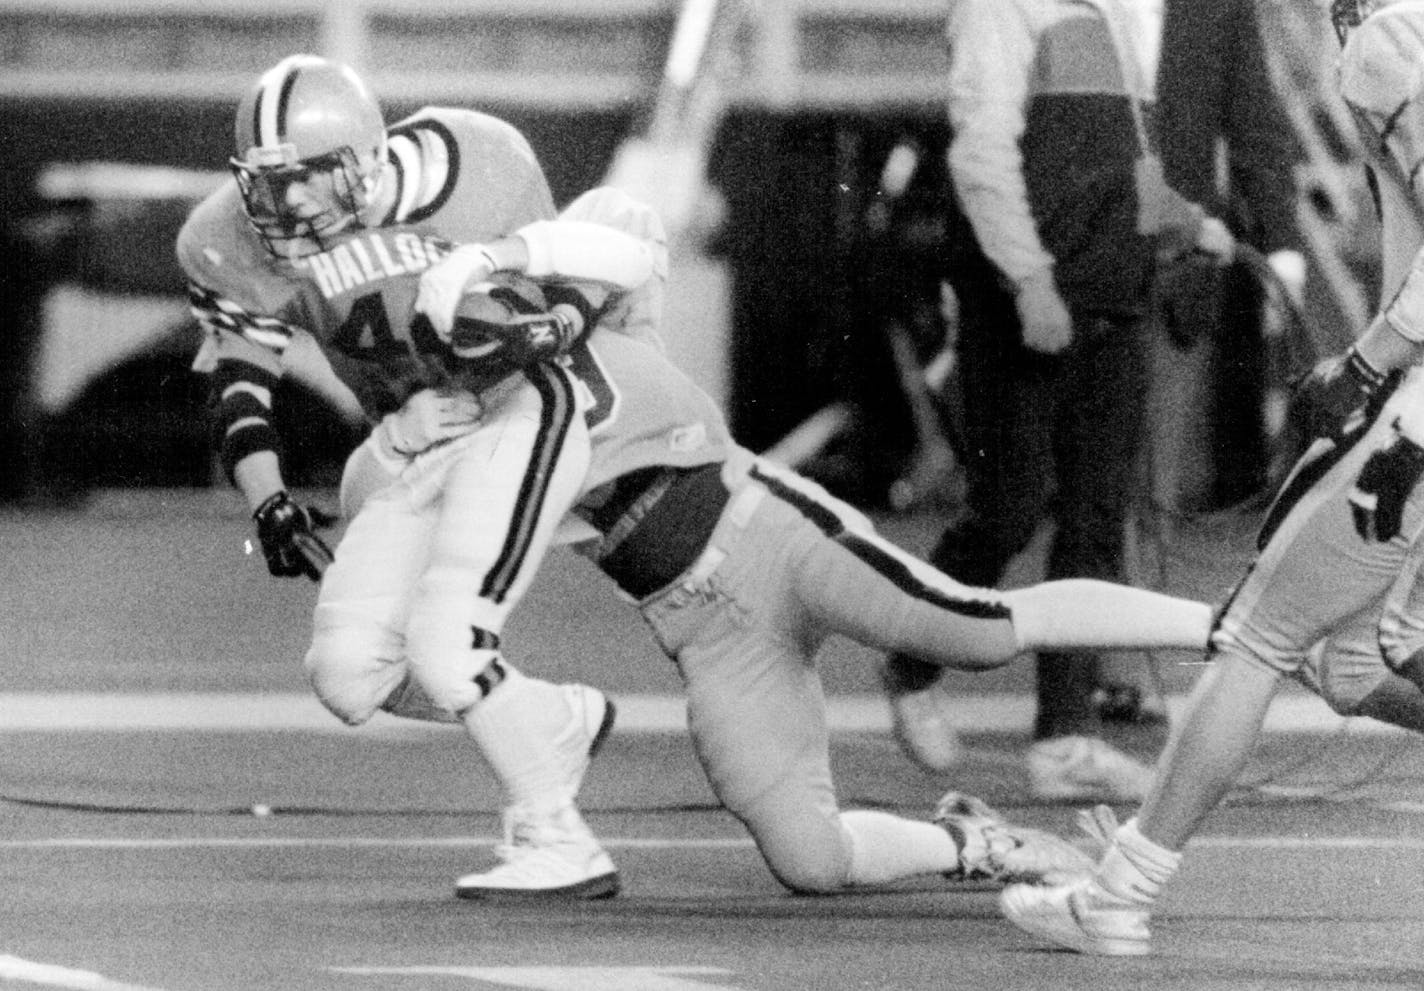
pixel 1220 454
pixel 1052 437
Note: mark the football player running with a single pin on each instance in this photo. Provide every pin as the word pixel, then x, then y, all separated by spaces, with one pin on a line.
pixel 1334 597
pixel 740 569
pixel 314 162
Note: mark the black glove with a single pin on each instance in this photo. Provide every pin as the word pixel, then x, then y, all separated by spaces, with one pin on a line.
pixel 1339 393
pixel 288 535
pixel 1385 483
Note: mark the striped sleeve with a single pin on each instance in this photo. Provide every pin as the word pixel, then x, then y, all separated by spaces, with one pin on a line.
pixel 242 353
pixel 216 312
pixel 242 413
pixel 992 52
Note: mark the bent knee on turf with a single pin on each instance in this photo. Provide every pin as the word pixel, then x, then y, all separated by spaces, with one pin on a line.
pixel 351 676
pixel 802 841
pixel 810 875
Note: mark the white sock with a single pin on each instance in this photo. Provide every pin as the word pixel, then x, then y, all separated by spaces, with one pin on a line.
pixel 514 727
pixel 886 848
pixel 1086 614
pixel 1135 868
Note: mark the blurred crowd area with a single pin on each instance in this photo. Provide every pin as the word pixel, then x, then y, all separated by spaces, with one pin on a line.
pixel 822 221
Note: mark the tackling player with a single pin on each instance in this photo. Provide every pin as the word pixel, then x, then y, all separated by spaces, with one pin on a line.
pixel 1334 597
pixel 741 570
pixel 314 161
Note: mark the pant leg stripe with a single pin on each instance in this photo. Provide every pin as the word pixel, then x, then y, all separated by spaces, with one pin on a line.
pixel 1302 482
pixel 556 416
pixel 822 516
pixel 887 565
pixel 895 571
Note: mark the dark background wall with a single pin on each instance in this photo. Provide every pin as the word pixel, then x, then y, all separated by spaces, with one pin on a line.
pixel 814 282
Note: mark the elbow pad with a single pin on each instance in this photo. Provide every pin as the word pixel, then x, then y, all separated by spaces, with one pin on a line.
pixel 242 401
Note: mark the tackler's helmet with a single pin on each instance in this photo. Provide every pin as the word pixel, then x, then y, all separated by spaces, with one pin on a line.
pixel 1382 82
pixel 1346 15
pixel 308 123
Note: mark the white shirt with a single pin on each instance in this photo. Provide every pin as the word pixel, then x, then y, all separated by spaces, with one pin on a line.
pixel 1144 21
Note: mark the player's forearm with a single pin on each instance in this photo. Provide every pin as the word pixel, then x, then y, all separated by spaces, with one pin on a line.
pixel 258 477
pixel 574 249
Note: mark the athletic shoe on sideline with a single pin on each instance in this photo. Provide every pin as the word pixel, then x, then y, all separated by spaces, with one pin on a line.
pixel 1081 916
pixel 545 855
pixel 1085 768
pixel 992 849
pixel 591 716
pixel 923 725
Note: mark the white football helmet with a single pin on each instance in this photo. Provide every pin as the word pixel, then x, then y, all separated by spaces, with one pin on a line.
pixel 311 151
pixel 1382 82
pixel 1346 15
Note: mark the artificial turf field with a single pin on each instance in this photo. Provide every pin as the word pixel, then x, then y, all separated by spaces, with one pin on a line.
pixel 153 697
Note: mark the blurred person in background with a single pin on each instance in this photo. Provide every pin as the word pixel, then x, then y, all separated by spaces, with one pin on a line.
pixel 1061 214
pixel 1334 598
pixel 895 448
pixel 313 159
pixel 1217 102
pixel 1227 143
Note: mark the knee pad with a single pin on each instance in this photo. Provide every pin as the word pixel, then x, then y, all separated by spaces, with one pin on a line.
pixel 354 671
pixel 1344 698
pixel 801 839
pixel 810 876
pixel 1400 640
pixel 1339 680
pixel 816 863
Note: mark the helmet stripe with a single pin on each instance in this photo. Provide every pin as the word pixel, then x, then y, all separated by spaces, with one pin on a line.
pixel 288 84
pixel 257 118
pixel 269 112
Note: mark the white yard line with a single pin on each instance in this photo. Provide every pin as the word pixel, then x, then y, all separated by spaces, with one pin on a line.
pixel 591 978
pixel 30 712
pixel 54 976
pixel 1322 844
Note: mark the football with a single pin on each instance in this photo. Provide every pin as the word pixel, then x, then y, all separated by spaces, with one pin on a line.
pixel 488 309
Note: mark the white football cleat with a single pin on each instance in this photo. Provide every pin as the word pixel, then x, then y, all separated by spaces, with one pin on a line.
pixel 1083 769
pixel 545 855
pixel 924 725
pixel 591 717
pixel 1081 916
pixel 992 849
